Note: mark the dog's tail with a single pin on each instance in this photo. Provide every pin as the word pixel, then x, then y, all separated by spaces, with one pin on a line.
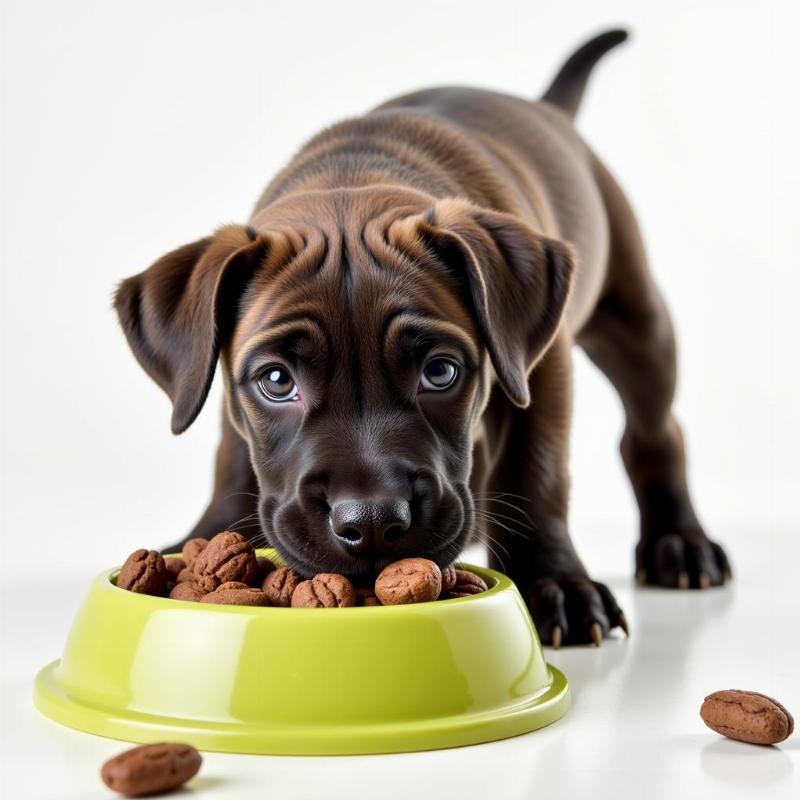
pixel 568 86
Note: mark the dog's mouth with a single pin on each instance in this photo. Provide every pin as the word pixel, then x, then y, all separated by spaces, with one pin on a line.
pixel 304 541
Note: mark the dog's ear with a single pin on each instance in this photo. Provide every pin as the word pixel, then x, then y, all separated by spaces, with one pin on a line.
pixel 516 280
pixel 177 314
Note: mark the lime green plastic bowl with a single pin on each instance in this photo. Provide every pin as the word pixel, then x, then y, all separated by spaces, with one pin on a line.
pixel 303 681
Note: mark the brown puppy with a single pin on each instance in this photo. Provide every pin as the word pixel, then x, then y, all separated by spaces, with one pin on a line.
pixel 403 289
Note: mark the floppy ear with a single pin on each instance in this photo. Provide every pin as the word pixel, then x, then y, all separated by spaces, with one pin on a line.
pixel 517 281
pixel 177 313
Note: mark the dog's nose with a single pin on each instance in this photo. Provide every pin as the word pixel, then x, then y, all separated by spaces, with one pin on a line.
pixel 370 527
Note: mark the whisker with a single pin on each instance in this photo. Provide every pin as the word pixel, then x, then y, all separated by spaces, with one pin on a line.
pixel 245 518
pixel 502 494
pixel 242 494
pixel 489 545
pixel 252 526
pixel 510 505
pixel 489 518
pixel 493 552
pixel 497 542
pixel 506 516
pixel 259 541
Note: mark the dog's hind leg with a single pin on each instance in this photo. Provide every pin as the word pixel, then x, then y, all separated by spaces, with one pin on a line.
pixel 630 338
pixel 234 501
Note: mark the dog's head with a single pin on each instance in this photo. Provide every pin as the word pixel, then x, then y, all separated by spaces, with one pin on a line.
pixel 359 333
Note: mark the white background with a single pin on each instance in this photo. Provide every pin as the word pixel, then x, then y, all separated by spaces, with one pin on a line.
pixel 131 128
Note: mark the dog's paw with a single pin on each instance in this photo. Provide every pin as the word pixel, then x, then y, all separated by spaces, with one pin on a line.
pixel 573 610
pixel 683 560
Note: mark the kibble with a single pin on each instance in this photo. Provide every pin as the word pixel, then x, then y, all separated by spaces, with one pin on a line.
pixel 187 591
pixel 227 557
pixel 186 575
pixel 410 580
pixel 144 572
pixel 466 583
pixel 151 769
pixel 236 593
pixel 326 590
pixel 747 716
pixel 279 586
pixel 265 566
pixel 192 549
pixel 226 570
pixel 366 597
pixel 175 566
pixel 449 578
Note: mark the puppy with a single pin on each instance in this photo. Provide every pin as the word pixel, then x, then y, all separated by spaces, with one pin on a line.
pixel 395 326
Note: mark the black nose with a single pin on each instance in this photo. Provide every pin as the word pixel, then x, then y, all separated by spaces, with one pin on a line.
pixel 370 527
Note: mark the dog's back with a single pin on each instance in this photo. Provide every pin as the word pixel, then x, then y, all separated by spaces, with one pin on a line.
pixel 494 149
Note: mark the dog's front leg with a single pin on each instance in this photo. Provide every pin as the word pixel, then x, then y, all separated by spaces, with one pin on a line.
pixel 524 508
pixel 234 502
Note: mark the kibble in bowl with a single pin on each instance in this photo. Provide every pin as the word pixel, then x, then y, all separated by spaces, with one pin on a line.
pixel 336 675
pixel 226 570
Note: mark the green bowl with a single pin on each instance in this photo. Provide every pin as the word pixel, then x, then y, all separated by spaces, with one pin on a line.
pixel 303 681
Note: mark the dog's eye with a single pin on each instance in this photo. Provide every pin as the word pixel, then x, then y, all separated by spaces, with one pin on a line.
pixel 277 384
pixel 438 374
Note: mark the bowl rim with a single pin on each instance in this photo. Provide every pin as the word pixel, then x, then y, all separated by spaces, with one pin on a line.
pixel 541 709
pixel 498 582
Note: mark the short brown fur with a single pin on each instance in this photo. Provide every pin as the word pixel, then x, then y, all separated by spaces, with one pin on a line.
pixel 466 222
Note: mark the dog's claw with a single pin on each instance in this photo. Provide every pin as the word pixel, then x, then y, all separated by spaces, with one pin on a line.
pixel 727 576
pixel 597 634
pixel 685 559
pixel 623 623
pixel 572 610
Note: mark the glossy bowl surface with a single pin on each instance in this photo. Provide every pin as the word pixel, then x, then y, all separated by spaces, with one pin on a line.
pixel 303 681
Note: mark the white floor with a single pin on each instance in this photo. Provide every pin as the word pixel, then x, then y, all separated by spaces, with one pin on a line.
pixel 633 731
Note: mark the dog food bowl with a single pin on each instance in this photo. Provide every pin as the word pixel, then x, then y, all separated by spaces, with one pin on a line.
pixel 303 681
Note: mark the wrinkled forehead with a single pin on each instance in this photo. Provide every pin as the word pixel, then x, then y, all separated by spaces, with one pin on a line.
pixel 350 291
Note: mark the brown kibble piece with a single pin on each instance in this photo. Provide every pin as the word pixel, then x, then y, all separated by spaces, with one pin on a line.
pixel 326 590
pixel 236 593
pixel 448 578
pixel 747 716
pixel 366 597
pixel 186 575
pixel 151 769
pixel 175 566
pixel 144 572
pixel 410 580
pixel 227 557
pixel 371 601
pixel 279 586
pixel 265 566
pixel 187 591
pixel 192 549
pixel 467 583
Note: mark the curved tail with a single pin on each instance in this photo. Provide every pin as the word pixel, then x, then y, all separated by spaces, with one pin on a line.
pixel 568 86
